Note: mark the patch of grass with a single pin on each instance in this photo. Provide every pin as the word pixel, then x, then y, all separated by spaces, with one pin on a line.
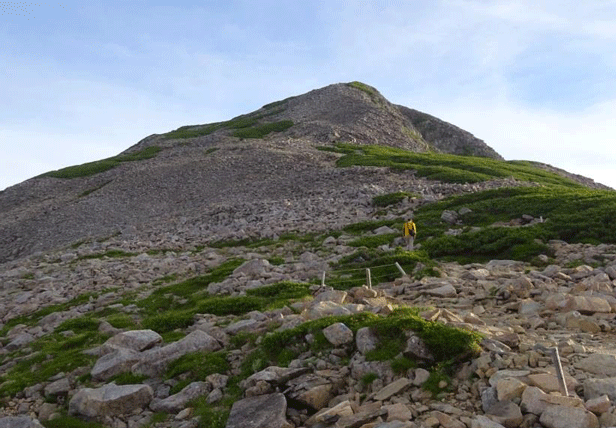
pixel 169 320
pixel 350 271
pixel 211 150
pixel 36 316
pixel 260 131
pixel 281 290
pixel 446 343
pixel 368 378
pixel 230 305
pixel 199 365
pixel 572 215
pixel 53 354
pixel 96 167
pixel 390 199
pixel 401 365
pixel 193 131
pixel 370 225
pixel 276 261
pixel 365 88
pixel 114 254
pixel 210 416
pixel 92 190
pixel 180 302
pixel 123 321
pixel 437 376
pixel 374 241
pixel 445 167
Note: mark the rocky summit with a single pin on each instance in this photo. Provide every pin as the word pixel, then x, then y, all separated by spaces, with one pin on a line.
pixel 251 273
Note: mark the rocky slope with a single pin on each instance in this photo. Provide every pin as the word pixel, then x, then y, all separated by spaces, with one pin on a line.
pixel 192 288
pixel 510 383
pixel 196 178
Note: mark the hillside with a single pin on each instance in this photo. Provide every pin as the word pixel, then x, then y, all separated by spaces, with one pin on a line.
pixel 216 276
pixel 190 173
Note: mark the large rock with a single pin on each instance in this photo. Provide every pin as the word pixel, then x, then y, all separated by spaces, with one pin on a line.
pixel 600 364
pixel 19 422
pixel 155 361
pixel 535 401
pixel 119 361
pixel 568 417
pixel 594 388
pixel 366 340
pixel 265 411
pixel 137 340
pixel 338 334
pixel 110 400
pixel 586 305
pixel 254 267
pixel 177 402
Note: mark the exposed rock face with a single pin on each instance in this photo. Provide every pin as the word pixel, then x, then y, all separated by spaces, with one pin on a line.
pixel 447 137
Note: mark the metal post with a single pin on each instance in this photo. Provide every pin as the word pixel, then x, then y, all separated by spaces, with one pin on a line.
pixel 368 278
pixel 557 365
pixel 400 269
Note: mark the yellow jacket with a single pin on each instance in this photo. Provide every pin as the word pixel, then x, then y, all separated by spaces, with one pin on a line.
pixel 410 228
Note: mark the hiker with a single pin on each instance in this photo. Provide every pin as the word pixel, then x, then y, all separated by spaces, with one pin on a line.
pixel 410 230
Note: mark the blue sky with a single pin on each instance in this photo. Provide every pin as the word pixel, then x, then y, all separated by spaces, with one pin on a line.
pixel 82 81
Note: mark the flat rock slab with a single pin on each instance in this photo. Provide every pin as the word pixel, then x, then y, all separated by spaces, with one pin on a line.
pixel 601 364
pixel 19 422
pixel 177 402
pixel 110 400
pixel 137 340
pixel 594 388
pixel 392 389
pixel 265 411
pixel 568 417
pixel 154 361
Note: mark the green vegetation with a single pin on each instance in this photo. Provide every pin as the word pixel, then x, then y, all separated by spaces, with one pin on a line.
pixel 196 366
pixel 364 88
pixel 114 254
pixel 446 343
pixel 350 271
pixel 34 318
pixel 53 353
pixel 573 214
pixel 390 199
pixel 248 123
pixel 174 306
pixel 260 131
pixel 368 378
pixel 444 167
pixel 94 189
pixel 96 167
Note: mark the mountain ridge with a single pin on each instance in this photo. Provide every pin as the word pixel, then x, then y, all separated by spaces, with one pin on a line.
pixel 267 156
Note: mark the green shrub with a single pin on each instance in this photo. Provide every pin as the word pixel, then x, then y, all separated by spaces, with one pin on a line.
pixel 368 378
pixel 96 167
pixel 198 365
pixel 260 131
pixel 281 290
pixel 230 305
pixel 445 167
pixel 169 321
pixel 390 199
